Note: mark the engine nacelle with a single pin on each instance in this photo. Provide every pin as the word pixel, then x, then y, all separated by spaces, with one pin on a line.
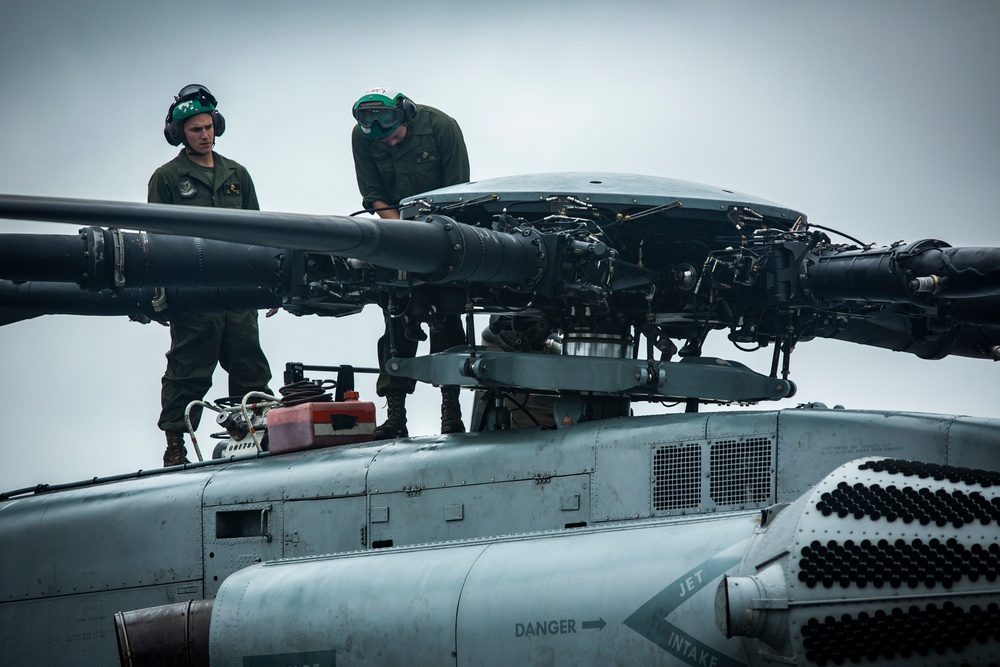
pixel 884 562
pixel 611 596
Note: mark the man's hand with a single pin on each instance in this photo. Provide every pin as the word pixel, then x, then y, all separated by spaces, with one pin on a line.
pixel 385 210
pixel 142 319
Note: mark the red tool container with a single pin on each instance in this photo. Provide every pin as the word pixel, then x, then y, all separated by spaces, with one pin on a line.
pixel 314 425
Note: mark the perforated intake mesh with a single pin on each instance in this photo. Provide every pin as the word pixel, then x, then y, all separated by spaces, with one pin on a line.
pixel 932 632
pixel 677 471
pixel 741 471
pixel 740 474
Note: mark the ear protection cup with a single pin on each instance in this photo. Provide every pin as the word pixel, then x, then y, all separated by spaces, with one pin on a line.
pixel 409 109
pixel 220 124
pixel 170 135
pixel 171 132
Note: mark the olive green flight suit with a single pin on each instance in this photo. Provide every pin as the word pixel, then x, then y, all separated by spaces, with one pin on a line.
pixel 433 155
pixel 197 344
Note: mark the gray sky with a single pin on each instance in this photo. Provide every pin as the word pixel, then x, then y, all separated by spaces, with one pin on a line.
pixel 879 119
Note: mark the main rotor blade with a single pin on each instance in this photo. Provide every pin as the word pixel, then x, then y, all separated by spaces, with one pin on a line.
pixel 434 245
pixel 340 235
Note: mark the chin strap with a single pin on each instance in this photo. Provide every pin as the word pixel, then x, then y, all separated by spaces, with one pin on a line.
pixel 191 151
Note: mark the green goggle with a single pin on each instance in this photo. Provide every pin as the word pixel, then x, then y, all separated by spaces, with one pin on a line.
pixel 386 117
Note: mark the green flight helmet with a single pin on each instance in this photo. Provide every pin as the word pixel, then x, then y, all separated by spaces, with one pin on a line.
pixel 380 111
pixel 189 108
pixel 191 101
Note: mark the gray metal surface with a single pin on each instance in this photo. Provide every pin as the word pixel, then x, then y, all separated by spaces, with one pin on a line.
pixel 691 377
pixel 516 601
pixel 72 558
pixel 814 441
pixel 604 187
pixel 145 541
pixel 325 473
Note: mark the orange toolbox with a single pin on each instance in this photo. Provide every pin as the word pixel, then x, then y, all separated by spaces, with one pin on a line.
pixel 320 424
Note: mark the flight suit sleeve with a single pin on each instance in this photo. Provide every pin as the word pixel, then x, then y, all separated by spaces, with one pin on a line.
pixel 369 177
pixel 250 202
pixel 159 190
pixel 454 155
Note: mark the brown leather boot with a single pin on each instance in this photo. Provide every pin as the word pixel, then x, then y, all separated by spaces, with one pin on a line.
pixel 176 453
pixel 395 424
pixel 451 411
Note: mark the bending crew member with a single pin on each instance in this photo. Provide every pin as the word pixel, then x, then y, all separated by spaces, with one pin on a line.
pixel 402 149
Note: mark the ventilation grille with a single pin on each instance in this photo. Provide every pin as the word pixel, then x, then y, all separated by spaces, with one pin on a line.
pixel 677 471
pixel 741 471
pixel 740 474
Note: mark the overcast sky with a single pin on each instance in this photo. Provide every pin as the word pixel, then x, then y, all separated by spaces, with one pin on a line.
pixel 879 119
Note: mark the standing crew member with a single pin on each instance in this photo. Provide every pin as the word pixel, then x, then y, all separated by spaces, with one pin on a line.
pixel 402 149
pixel 199 176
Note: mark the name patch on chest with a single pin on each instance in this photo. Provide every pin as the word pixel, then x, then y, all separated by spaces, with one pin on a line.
pixel 429 155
